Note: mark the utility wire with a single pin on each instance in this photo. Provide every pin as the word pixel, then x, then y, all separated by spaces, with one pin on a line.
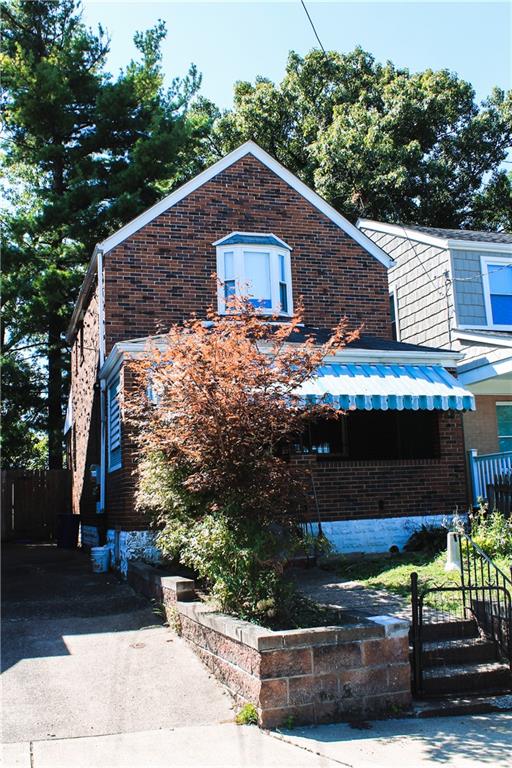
pixel 313 26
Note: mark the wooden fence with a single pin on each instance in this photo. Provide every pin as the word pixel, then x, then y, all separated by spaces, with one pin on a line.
pixel 31 501
pixel 499 494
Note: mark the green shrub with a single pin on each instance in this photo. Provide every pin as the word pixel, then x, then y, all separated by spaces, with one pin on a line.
pixel 248 715
pixel 492 532
pixel 429 538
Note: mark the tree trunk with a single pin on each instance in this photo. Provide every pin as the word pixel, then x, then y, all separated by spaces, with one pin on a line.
pixel 55 425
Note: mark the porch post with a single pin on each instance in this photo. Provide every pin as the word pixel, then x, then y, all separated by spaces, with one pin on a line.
pixel 473 473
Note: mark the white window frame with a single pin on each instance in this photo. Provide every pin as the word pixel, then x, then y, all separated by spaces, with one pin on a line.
pixel 114 383
pixel 500 404
pixel 274 252
pixel 485 261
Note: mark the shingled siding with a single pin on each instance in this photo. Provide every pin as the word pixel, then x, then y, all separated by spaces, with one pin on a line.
pixel 163 273
pixel 469 291
pixel 419 281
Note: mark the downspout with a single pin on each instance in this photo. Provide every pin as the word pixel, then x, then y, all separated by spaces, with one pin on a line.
pixel 103 410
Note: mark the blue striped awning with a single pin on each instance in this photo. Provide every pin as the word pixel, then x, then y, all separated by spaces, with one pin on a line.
pixel 386 387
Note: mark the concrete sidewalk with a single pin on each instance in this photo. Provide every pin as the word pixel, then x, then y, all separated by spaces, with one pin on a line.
pixel 453 742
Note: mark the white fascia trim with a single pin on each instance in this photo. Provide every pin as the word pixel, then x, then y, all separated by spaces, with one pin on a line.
pixel 399 231
pixel 253 234
pixel 421 237
pixel 249 148
pixel 484 372
pixel 130 349
pixel 481 338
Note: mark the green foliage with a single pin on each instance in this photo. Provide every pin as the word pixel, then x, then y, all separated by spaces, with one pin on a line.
pixel 378 141
pixel 492 532
pixel 238 558
pixel 248 715
pixel 82 154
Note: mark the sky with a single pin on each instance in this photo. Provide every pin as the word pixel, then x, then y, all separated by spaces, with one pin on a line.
pixel 233 41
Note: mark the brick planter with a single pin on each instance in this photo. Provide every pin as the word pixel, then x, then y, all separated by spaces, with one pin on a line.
pixel 304 675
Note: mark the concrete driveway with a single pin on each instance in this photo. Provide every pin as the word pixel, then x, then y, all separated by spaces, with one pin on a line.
pixel 83 655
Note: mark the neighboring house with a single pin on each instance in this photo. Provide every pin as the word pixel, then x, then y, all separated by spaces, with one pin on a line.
pixel 452 289
pixel 394 461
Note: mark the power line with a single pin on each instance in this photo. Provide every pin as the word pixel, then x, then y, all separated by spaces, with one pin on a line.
pixel 313 26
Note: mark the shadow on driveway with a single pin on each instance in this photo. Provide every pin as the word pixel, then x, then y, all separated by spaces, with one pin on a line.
pixel 83 654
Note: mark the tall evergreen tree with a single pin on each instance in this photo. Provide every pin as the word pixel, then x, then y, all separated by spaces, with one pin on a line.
pixel 83 153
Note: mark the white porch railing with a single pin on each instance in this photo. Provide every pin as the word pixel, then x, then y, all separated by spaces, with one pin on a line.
pixel 483 470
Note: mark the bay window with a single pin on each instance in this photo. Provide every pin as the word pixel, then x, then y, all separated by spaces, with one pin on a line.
pixel 257 267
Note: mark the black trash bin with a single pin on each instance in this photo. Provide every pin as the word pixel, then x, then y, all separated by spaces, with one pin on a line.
pixel 67 531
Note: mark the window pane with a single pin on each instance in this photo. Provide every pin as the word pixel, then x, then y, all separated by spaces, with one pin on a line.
pixel 257 275
pixel 505 444
pixel 504 418
pixel 282 268
pixel 283 297
pixel 501 309
pixel 229 289
pixel 500 278
pixel 229 267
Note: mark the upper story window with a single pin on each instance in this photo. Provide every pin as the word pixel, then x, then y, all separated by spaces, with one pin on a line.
pixel 256 266
pixel 497 281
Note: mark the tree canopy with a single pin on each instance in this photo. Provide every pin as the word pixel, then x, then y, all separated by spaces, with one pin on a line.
pixel 379 141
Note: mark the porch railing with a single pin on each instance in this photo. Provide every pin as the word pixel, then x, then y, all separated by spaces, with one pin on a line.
pixel 484 469
pixel 489 590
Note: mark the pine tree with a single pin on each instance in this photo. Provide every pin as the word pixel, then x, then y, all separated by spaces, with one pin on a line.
pixel 83 154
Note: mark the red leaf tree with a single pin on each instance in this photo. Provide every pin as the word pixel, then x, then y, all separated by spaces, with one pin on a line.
pixel 213 406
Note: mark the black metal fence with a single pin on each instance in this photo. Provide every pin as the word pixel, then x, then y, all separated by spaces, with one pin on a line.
pixel 477 601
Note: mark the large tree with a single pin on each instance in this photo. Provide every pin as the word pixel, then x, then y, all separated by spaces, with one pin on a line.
pixel 379 141
pixel 83 153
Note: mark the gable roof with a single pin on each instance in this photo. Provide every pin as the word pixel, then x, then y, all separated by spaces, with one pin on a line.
pixel 456 239
pixel 248 148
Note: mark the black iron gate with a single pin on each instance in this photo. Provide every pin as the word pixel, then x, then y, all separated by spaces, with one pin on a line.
pixel 481 603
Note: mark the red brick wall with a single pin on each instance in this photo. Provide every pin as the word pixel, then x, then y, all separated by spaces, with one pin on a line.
pixel 162 274
pixel 480 426
pixel 395 488
pixel 86 409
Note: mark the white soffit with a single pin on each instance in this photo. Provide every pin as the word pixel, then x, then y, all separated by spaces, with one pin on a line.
pixel 249 148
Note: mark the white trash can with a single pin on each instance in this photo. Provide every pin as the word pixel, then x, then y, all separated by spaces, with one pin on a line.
pixel 100 557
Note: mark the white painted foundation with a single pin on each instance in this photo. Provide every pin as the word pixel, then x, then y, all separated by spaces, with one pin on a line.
pixel 378 534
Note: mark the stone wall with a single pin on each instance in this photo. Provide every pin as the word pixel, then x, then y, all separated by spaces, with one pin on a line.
pixel 355 670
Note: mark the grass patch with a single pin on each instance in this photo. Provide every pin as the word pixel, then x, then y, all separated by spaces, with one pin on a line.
pixel 393 572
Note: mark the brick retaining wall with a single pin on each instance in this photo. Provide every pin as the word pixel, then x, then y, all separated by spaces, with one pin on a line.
pixel 360 669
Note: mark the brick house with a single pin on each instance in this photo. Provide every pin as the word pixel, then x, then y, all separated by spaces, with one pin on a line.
pixel 394 461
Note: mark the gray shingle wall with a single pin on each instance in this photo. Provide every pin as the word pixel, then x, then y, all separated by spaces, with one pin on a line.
pixel 469 293
pixel 422 305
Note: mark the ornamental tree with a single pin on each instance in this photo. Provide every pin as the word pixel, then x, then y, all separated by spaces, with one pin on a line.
pixel 222 404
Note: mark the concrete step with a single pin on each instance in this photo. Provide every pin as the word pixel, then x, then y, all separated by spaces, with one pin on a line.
pixel 449 630
pixel 462 705
pixel 490 677
pixel 460 651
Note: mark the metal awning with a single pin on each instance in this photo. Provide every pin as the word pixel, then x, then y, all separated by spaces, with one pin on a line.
pixel 386 387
